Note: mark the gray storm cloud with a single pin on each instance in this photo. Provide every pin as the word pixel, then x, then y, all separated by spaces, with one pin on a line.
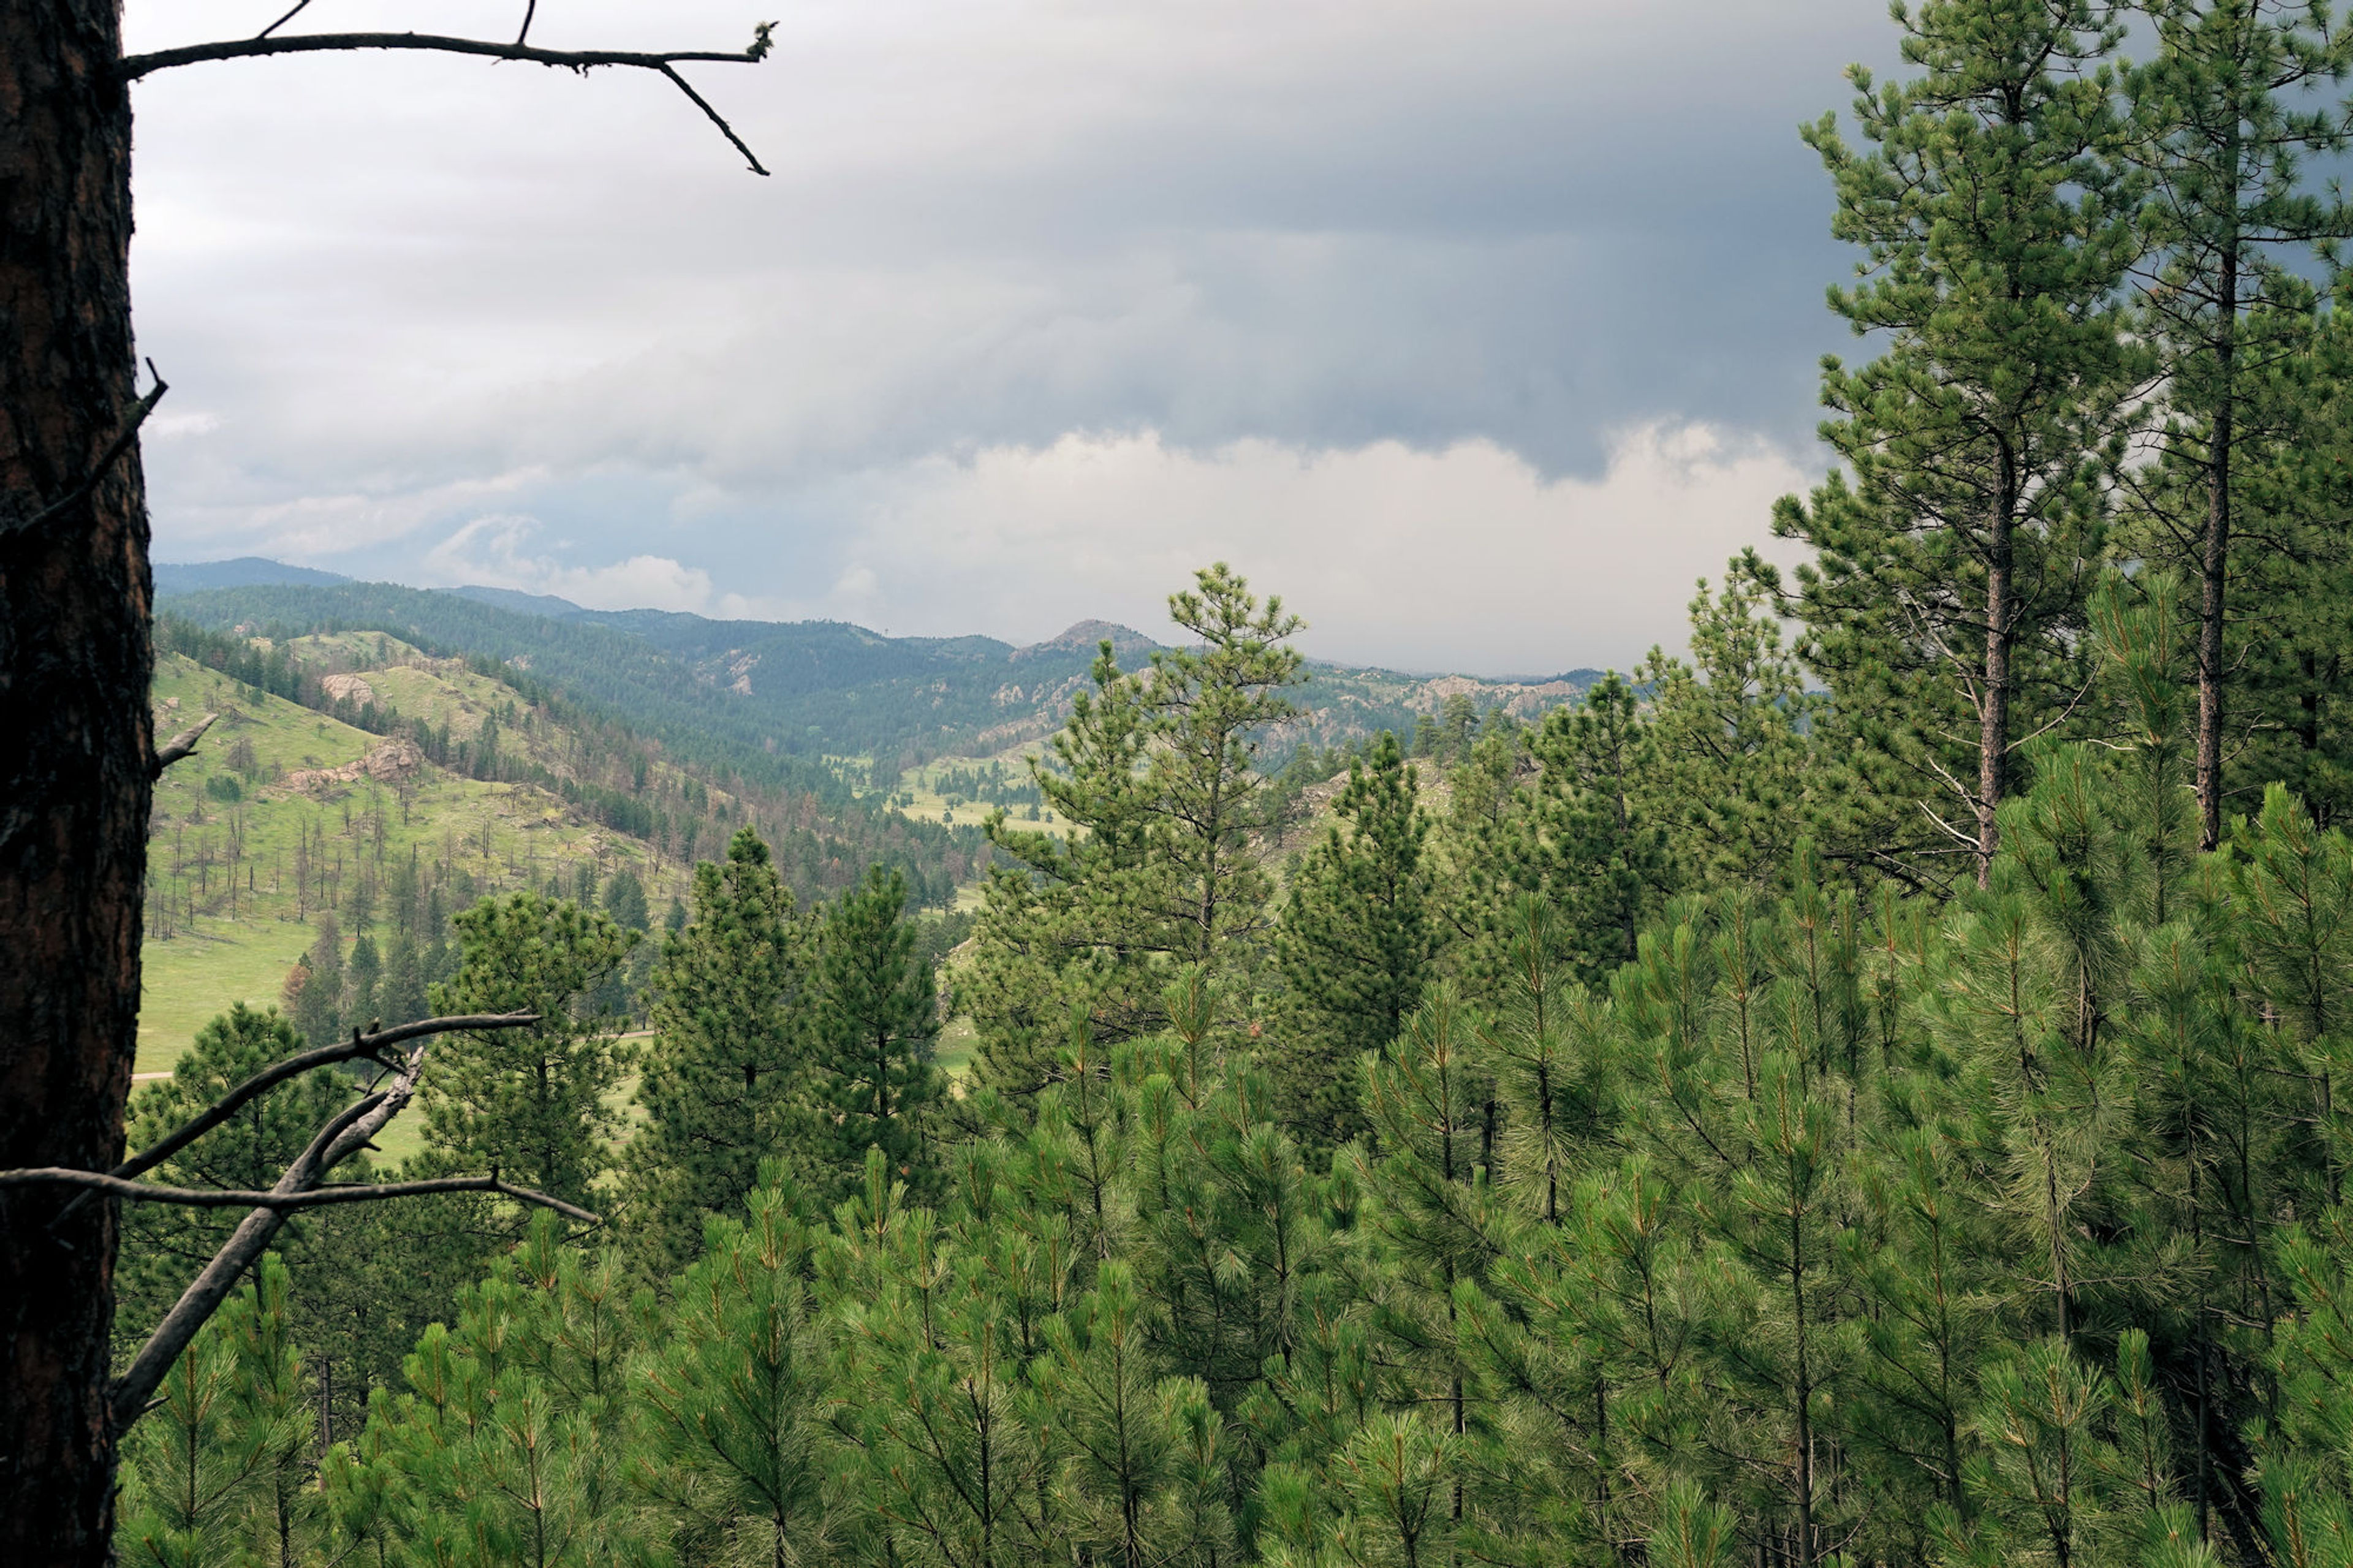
pixel 426 318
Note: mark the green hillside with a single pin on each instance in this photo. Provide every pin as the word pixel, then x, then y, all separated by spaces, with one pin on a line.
pixel 342 763
pixel 774 701
pixel 286 813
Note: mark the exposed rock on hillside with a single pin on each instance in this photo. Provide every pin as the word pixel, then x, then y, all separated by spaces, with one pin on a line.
pixel 355 687
pixel 393 761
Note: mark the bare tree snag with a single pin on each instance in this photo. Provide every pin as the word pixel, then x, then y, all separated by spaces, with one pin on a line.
pixel 359 1048
pixel 344 1135
pixel 76 774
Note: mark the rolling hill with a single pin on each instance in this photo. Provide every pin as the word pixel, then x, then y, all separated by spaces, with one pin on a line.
pixel 794 702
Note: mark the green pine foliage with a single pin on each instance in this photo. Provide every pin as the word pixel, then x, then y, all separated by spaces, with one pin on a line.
pixel 1997 224
pixel 1155 773
pixel 532 1103
pixel 875 1013
pixel 1745 1124
pixel 1359 941
pixel 726 1078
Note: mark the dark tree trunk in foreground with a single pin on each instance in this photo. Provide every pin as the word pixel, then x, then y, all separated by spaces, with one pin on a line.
pixel 74 760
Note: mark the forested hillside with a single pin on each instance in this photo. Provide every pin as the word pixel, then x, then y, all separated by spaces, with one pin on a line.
pixel 775 700
pixel 1861 1091
pixel 354 791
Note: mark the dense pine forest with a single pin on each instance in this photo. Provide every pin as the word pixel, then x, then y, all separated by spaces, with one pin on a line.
pixel 1861 1091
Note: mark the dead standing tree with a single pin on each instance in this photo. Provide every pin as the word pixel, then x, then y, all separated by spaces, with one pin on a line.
pixel 77 757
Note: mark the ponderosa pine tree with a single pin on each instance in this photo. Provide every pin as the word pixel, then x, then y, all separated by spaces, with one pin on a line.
pixel 532 1103
pixel 1051 928
pixel 940 1319
pixel 733 1447
pixel 1584 835
pixel 2217 128
pixel 727 1084
pixel 317 1007
pixel 1203 791
pixel 1357 942
pixel 223 1474
pixel 1734 779
pixel 1156 775
pixel 875 1013
pixel 1955 550
pixel 510 1447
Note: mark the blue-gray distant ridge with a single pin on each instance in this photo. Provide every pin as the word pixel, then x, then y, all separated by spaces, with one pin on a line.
pixel 245 571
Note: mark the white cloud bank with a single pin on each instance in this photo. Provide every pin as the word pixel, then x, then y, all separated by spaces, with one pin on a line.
pixel 1465 557
pixel 496 551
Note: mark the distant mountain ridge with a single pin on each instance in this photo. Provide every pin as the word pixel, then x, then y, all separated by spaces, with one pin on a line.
pixel 1128 645
pixel 516 599
pixel 795 701
pixel 245 571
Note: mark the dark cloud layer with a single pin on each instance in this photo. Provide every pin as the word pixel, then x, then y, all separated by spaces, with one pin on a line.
pixel 425 318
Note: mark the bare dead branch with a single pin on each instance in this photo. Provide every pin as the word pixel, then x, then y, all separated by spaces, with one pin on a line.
pixel 665 63
pixel 316 1198
pixel 344 1135
pixel 105 464
pixel 724 129
pixel 359 1048
pixel 133 66
pixel 530 9
pixel 184 744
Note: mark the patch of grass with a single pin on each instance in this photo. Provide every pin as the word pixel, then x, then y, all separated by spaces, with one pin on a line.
pixel 956 1046
pixel 928 804
pixel 189 979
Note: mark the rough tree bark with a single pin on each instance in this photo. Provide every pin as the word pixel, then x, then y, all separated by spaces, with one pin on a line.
pixel 75 763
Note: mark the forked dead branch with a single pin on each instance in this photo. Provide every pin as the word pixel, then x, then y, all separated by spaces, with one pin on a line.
pixel 303 1184
pixel 664 63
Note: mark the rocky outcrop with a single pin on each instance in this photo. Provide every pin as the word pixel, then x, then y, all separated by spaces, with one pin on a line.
pixel 388 762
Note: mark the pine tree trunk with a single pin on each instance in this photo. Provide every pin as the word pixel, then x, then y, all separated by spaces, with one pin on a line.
pixel 74 659
pixel 2214 557
pixel 1993 701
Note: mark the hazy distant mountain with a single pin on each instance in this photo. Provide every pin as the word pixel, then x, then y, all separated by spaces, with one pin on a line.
pixel 516 599
pixel 1130 645
pixel 245 571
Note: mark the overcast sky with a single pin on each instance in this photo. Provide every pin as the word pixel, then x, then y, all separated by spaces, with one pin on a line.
pixel 1477 329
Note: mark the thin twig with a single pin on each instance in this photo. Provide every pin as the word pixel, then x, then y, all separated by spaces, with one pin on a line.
pixel 530 9
pixel 133 66
pixel 315 1197
pixel 184 744
pixel 300 6
pixel 724 129
pixel 105 464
